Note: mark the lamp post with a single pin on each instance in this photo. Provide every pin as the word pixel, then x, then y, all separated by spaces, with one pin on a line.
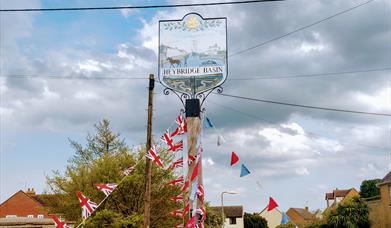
pixel 222 204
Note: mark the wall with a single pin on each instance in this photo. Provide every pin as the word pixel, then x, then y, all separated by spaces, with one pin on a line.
pixel 239 223
pixel 272 217
pixel 380 210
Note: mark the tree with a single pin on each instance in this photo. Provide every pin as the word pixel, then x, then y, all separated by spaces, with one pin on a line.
pixel 101 161
pixel 213 217
pixel 369 189
pixel 254 221
pixel 354 213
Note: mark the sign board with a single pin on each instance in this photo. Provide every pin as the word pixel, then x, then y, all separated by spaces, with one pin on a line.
pixel 193 53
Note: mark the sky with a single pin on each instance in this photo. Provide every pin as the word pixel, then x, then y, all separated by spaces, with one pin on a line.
pixel 294 154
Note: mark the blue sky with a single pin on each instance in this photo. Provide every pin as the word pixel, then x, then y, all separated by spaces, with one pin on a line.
pixel 296 154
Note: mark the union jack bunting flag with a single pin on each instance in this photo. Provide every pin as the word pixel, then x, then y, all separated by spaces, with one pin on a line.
pixel 191 159
pixel 178 198
pixel 200 192
pixel 59 223
pixel 86 204
pixel 176 164
pixel 166 138
pixel 154 156
pixel 177 213
pixel 182 126
pixel 185 186
pixel 186 210
pixel 128 171
pixel 177 146
pixel 191 222
pixel 107 189
pixel 201 211
pixel 177 181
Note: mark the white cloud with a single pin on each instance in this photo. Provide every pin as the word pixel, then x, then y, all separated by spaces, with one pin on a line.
pixel 302 171
pixel 90 65
pixel 380 101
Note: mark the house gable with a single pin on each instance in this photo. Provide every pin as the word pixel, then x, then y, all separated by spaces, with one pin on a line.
pixel 22 205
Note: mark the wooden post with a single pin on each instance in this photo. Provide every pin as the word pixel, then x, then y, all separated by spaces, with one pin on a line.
pixel 147 192
pixel 193 132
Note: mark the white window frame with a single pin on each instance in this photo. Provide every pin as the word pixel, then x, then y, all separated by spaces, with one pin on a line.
pixel 30 216
pixel 11 216
pixel 40 216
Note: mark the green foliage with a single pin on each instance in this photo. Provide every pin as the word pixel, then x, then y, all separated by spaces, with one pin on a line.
pixel 254 221
pixel 213 218
pixel 288 225
pixel 352 214
pixel 369 189
pixel 101 161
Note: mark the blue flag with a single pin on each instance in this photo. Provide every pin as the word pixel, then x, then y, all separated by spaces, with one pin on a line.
pixel 208 123
pixel 244 171
pixel 285 218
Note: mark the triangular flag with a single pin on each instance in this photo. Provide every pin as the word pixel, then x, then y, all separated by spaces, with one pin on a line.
pixel 195 170
pixel 208 123
pixel 285 218
pixel 244 171
pixel 272 204
pixel 234 158
pixel 191 222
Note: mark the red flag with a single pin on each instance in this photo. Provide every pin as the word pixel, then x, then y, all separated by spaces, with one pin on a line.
pixel 234 158
pixel 59 223
pixel 272 204
pixel 86 204
pixel 200 192
pixel 195 170
pixel 154 156
pixel 191 222
pixel 178 198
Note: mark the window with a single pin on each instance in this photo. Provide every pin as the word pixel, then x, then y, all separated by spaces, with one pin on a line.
pixel 40 216
pixel 30 216
pixel 11 216
pixel 232 220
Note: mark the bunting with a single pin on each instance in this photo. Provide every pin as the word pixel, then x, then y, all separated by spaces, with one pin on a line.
pixel 176 164
pixel 193 192
pixel 128 171
pixel 86 204
pixel 285 218
pixel 182 126
pixel 208 123
pixel 191 159
pixel 153 155
pixel 234 158
pixel 201 211
pixel 59 223
pixel 191 222
pixel 178 198
pixel 244 171
pixel 194 174
pixel 185 186
pixel 107 189
pixel 177 213
pixel 167 138
pixel 177 181
pixel 200 192
pixel 272 204
pixel 186 210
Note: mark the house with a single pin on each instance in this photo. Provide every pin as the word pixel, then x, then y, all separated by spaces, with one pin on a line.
pixel 300 216
pixel 233 216
pixel 26 209
pixel 380 207
pixel 340 195
pixel 273 217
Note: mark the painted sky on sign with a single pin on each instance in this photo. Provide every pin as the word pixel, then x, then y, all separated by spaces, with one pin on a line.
pixel 295 154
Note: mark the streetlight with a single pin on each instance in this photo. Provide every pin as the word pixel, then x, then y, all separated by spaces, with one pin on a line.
pixel 222 204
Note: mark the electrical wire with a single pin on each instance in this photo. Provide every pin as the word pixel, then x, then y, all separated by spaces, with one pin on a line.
pixel 310 132
pixel 136 7
pixel 299 29
pixel 19 76
pixel 342 73
pixel 304 106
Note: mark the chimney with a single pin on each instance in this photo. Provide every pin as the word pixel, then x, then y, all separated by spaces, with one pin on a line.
pixel 306 208
pixel 30 192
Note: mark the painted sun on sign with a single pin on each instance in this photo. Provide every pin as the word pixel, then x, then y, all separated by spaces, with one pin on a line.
pixel 193 53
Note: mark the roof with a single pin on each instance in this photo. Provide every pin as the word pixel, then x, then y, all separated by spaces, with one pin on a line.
pixel 25 221
pixel 337 193
pixel 386 179
pixel 31 206
pixel 304 213
pixel 230 211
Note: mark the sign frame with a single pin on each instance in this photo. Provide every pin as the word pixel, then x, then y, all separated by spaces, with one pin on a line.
pixel 193 93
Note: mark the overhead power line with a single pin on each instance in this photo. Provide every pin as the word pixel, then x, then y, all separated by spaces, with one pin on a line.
pixel 299 29
pixel 21 76
pixel 136 7
pixel 304 106
pixel 310 132
pixel 341 73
